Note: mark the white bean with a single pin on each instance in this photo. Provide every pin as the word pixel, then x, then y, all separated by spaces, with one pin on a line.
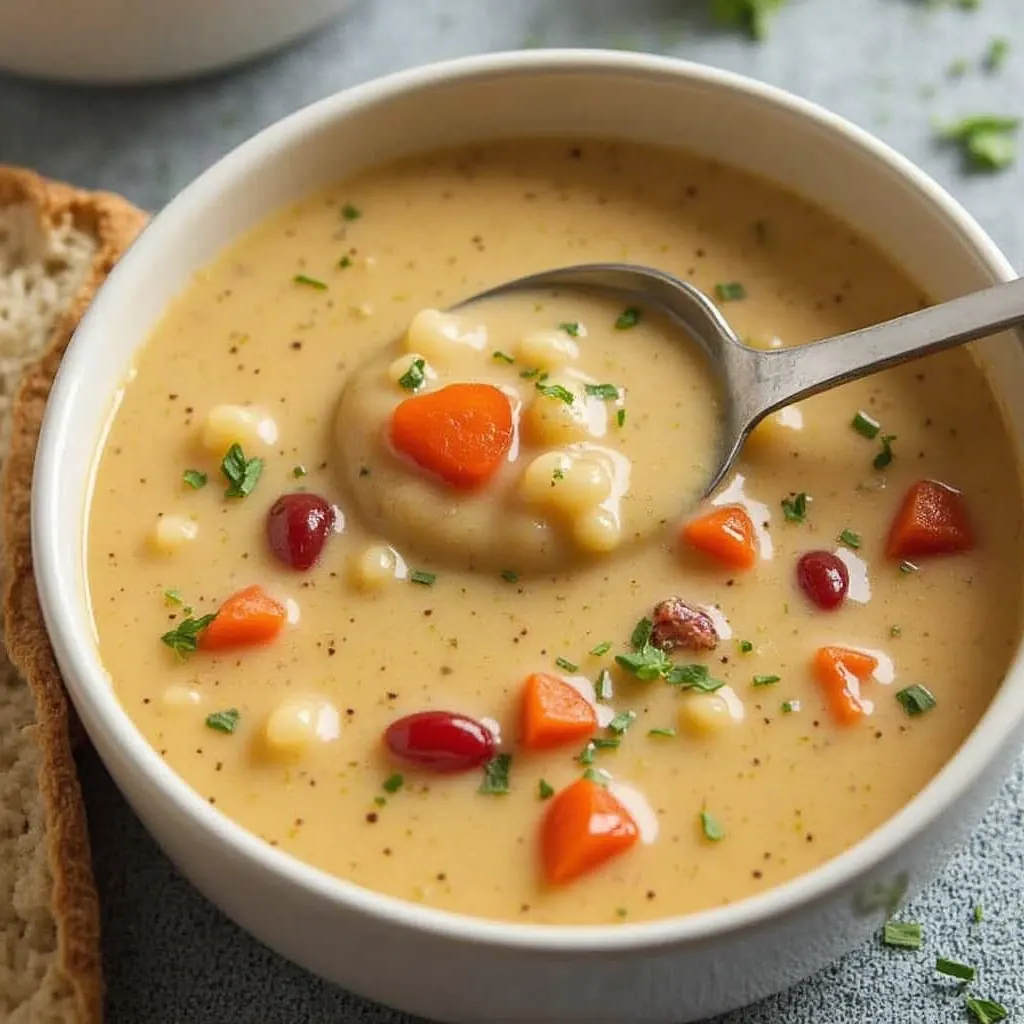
pixel 298 722
pixel 246 425
pixel 705 714
pixel 597 530
pixel 171 533
pixel 375 566
pixel 550 420
pixel 440 335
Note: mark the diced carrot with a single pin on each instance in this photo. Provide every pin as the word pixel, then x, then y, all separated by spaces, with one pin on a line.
pixel 933 520
pixel 585 825
pixel 725 534
pixel 245 619
pixel 554 713
pixel 840 671
pixel 460 433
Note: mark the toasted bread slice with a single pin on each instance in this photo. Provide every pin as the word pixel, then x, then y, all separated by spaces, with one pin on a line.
pixel 57 245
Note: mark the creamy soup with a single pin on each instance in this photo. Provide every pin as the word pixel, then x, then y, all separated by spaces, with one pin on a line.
pixel 439 612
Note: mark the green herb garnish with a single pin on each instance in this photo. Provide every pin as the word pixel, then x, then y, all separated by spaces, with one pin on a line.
pixel 393 783
pixel 978 914
pixel 566 665
pixel 350 212
pixel 556 391
pixel 184 638
pixel 789 706
pixel 902 934
pixel 545 790
pixel 502 357
pixel 647 664
pixel 730 291
pixel 312 282
pixel 510 575
pixel 242 474
pixel 621 722
pixel 598 775
pixel 620 417
pixel 986 1011
pixel 711 827
pixel 987 141
pixel 884 458
pixel 628 318
pixel 996 54
pixel 916 699
pixel 299 471
pixel 415 377
pixel 194 478
pixel 173 597
pixel 895 631
pixel 345 262
pixel 661 732
pixel 586 755
pixel 866 425
pixel 603 686
pixel 693 677
pixel 766 680
pixel 850 538
pixel 571 327
pixel 745 646
pixel 641 634
pixel 906 567
pixel 606 392
pixel 529 374
pixel 496 773
pixel 952 969
pixel 602 648
pixel 795 508
pixel 606 742
pixel 425 579
pixel 223 721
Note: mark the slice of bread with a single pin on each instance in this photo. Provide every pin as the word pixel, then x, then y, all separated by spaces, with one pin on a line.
pixel 57 245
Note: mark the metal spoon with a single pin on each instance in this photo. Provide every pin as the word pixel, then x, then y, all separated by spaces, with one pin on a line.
pixel 755 382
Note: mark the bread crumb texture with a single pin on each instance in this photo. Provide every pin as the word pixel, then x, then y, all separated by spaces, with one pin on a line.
pixel 56 246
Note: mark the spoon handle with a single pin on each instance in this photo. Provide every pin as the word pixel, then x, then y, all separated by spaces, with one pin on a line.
pixel 783 376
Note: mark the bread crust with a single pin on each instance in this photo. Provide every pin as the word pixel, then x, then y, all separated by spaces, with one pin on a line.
pixel 113 223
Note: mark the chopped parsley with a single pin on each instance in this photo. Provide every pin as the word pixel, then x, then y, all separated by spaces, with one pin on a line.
pixel 620 417
pixel 916 699
pixel 978 914
pixel 393 783
pixel 895 631
pixel 603 686
pixel 496 773
pixel 502 357
pixel 415 377
pixel 692 677
pixel 223 721
pixel 906 567
pixel 605 742
pixel 884 458
pixel 952 969
pixel 184 638
pixel 789 706
pixel 311 282
pixel 662 732
pixel 621 722
pixel 730 291
pixel 345 262
pixel 866 425
pixel 510 575
pixel 996 54
pixel 606 392
pixel 987 141
pixel 558 474
pixel 902 934
pixel 173 597
pixel 425 579
pixel 586 755
pixel 647 664
pixel 194 479
pixel 242 474
pixel 556 391
pixel 795 508
pixel 529 374
pixel 986 1011
pixel 545 790
pixel 598 775
pixel 711 827
pixel 350 212
pixel 641 634
pixel 571 327
pixel 745 646
pixel 602 648
pixel 299 471
pixel 766 680
pixel 566 665
pixel 750 15
pixel 850 538
pixel 628 318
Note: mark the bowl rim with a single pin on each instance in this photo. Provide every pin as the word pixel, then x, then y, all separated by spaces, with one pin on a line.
pixel 60 586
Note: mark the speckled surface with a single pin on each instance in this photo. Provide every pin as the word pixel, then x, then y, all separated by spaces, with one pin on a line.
pixel 170 957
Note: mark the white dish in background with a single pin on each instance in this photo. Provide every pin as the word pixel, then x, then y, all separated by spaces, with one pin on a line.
pixel 125 42
pixel 433 963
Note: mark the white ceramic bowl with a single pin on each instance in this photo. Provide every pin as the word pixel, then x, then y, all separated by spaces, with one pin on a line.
pixel 441 965
pixel 120 42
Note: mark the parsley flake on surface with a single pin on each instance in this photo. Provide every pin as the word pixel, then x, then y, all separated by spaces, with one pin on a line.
pixel 194 478
pixel 223 721
pixel 563 394
pixel 299 471
pixel 766 680
pixel 602 648
pixel 603 686
pixel 545 790
pixel 908 567
pixel 850 538
pixel 345 262
pixel 693 677
pixel 745 646
pixel 571 327
pixel 622 721
pixel 566 665
pixel 510 575
pixel 350 212
pixel 789 706
pixel 641 634
pixel 953 969
pixel 647 664
pixel 620 417
pixel 310 282
pixel 184 638
pixel 496 773
pixel 986 1011
pixel 173 597
pixel 502 357
pixel 415 377
pixel 795 508
pixel 711 827
pixel 606 392
pixel 865 425
pixel 424 579
pixel 730 291
pixel 669 732
pixel 628 318
pixel 884 458
pixel 598 775
pixel 902 934
pixel 393 783
pixel 242 474
pixel 987 141
pixel 586 755
pixel 916 699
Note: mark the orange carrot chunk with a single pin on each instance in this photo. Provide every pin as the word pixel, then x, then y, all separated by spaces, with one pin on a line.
pixel 725 534
pixel 839 672
pixel 933 520
pixel 460 433
pixel 584 826
pixel 245 619
pixel 554 713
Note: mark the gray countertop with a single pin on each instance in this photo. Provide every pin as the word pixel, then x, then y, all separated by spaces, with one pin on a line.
pixel 170 956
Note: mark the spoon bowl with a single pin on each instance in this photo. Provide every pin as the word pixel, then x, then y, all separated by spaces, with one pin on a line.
pixel 754 383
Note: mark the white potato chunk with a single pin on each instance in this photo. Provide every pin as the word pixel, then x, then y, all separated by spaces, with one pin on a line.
pixel 297 723
pixel 542 475
pixel 375 566
pixel 171 533
pixel 705 714
pixel 177 696
pixel 547 350
pixel 245 425
pixel 550 420
pixel 585 485
pixel 597 530
pixel 439 336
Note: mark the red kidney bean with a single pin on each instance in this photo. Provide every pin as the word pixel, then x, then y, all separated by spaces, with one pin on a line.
pixel 823 578
pixel 298 526
pixel 442 741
